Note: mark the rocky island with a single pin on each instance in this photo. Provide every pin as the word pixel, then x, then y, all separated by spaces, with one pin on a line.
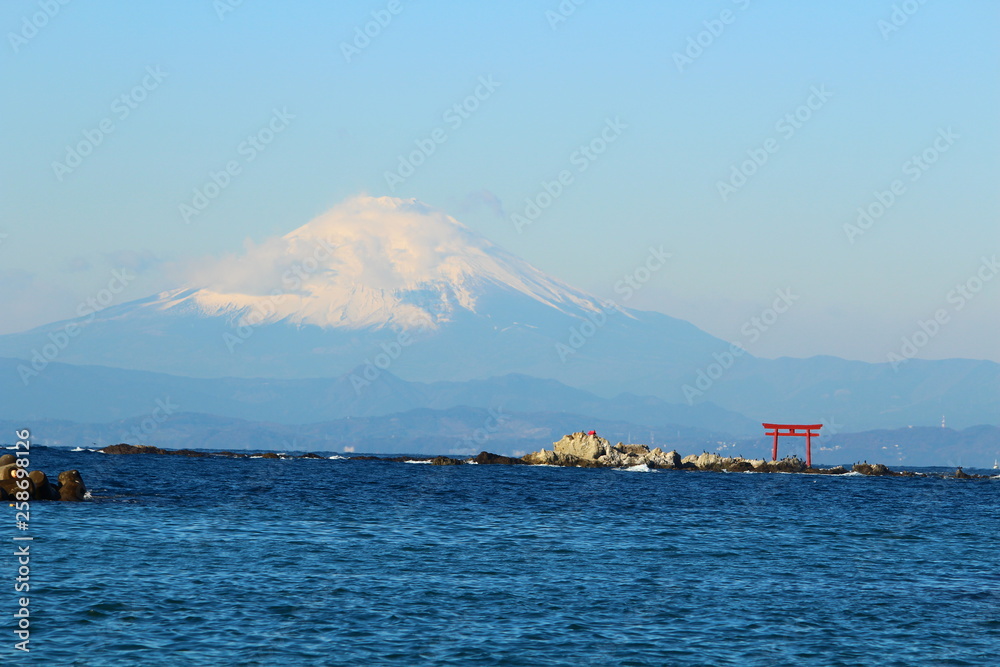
pixel 588 450
pixel 579 450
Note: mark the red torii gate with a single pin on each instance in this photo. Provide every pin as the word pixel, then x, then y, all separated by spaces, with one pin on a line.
pixel 802 430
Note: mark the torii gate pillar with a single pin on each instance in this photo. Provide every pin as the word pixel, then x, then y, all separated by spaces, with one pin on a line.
pixel 802 430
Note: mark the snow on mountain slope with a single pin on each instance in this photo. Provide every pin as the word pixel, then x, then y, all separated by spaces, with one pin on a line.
pixel 344 288
pixel 370 262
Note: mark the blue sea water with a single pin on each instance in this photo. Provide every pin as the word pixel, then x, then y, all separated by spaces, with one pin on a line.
pixel 190 561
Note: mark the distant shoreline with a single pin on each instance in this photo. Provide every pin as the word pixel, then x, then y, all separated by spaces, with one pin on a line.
pixel 701 463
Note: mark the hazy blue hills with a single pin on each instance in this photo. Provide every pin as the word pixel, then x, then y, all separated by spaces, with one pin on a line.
pixel 71 405
pixel 648 355
pixel 98 394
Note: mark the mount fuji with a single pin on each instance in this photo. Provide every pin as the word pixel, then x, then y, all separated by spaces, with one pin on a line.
pixel 377 282
pixel 379 286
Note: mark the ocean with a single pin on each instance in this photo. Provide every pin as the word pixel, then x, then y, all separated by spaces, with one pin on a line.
pixel 209 561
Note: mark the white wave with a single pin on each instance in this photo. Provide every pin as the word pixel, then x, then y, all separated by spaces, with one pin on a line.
pixel 427 462
pixel 642 467
pixel 472 463
pixel 87 496
pixel 337 457
pixel 80 449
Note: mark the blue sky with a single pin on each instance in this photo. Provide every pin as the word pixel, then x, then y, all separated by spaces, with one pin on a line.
pixel 883 88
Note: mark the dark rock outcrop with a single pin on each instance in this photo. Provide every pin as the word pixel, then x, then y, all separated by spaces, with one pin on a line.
pixel 123 448
pixel 792 464
pixel 873 470
pixel 444 461
pixel 393 459
pixel 961 474
pixel 189 452
pixel 836 470
pixel 486 458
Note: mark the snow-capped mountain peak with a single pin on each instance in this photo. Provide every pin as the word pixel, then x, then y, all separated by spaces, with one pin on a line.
pixel 370 262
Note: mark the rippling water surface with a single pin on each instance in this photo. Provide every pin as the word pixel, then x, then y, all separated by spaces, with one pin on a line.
pixel 182 561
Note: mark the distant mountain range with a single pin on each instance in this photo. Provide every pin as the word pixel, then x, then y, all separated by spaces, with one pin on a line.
pixel 386 306
pixel 98 394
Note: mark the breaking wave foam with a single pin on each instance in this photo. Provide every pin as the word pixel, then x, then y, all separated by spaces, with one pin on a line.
pixel 642 467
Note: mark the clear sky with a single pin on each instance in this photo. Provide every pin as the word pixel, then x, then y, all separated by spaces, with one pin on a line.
pixel 830 102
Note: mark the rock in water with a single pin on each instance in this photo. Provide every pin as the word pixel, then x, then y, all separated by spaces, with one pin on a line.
pixel 740 465
pixel 709 461
pixel 188 452
pixel 589 451
pixel 582 446
pixel 659 459
pixel 872 469
pixel 836 470
pixel 445 461
pixel 486 458
pixel 7 459
pixel 123 448
pixel 540 458
pixel 960 474
pixel 548 457
pixel 792 464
